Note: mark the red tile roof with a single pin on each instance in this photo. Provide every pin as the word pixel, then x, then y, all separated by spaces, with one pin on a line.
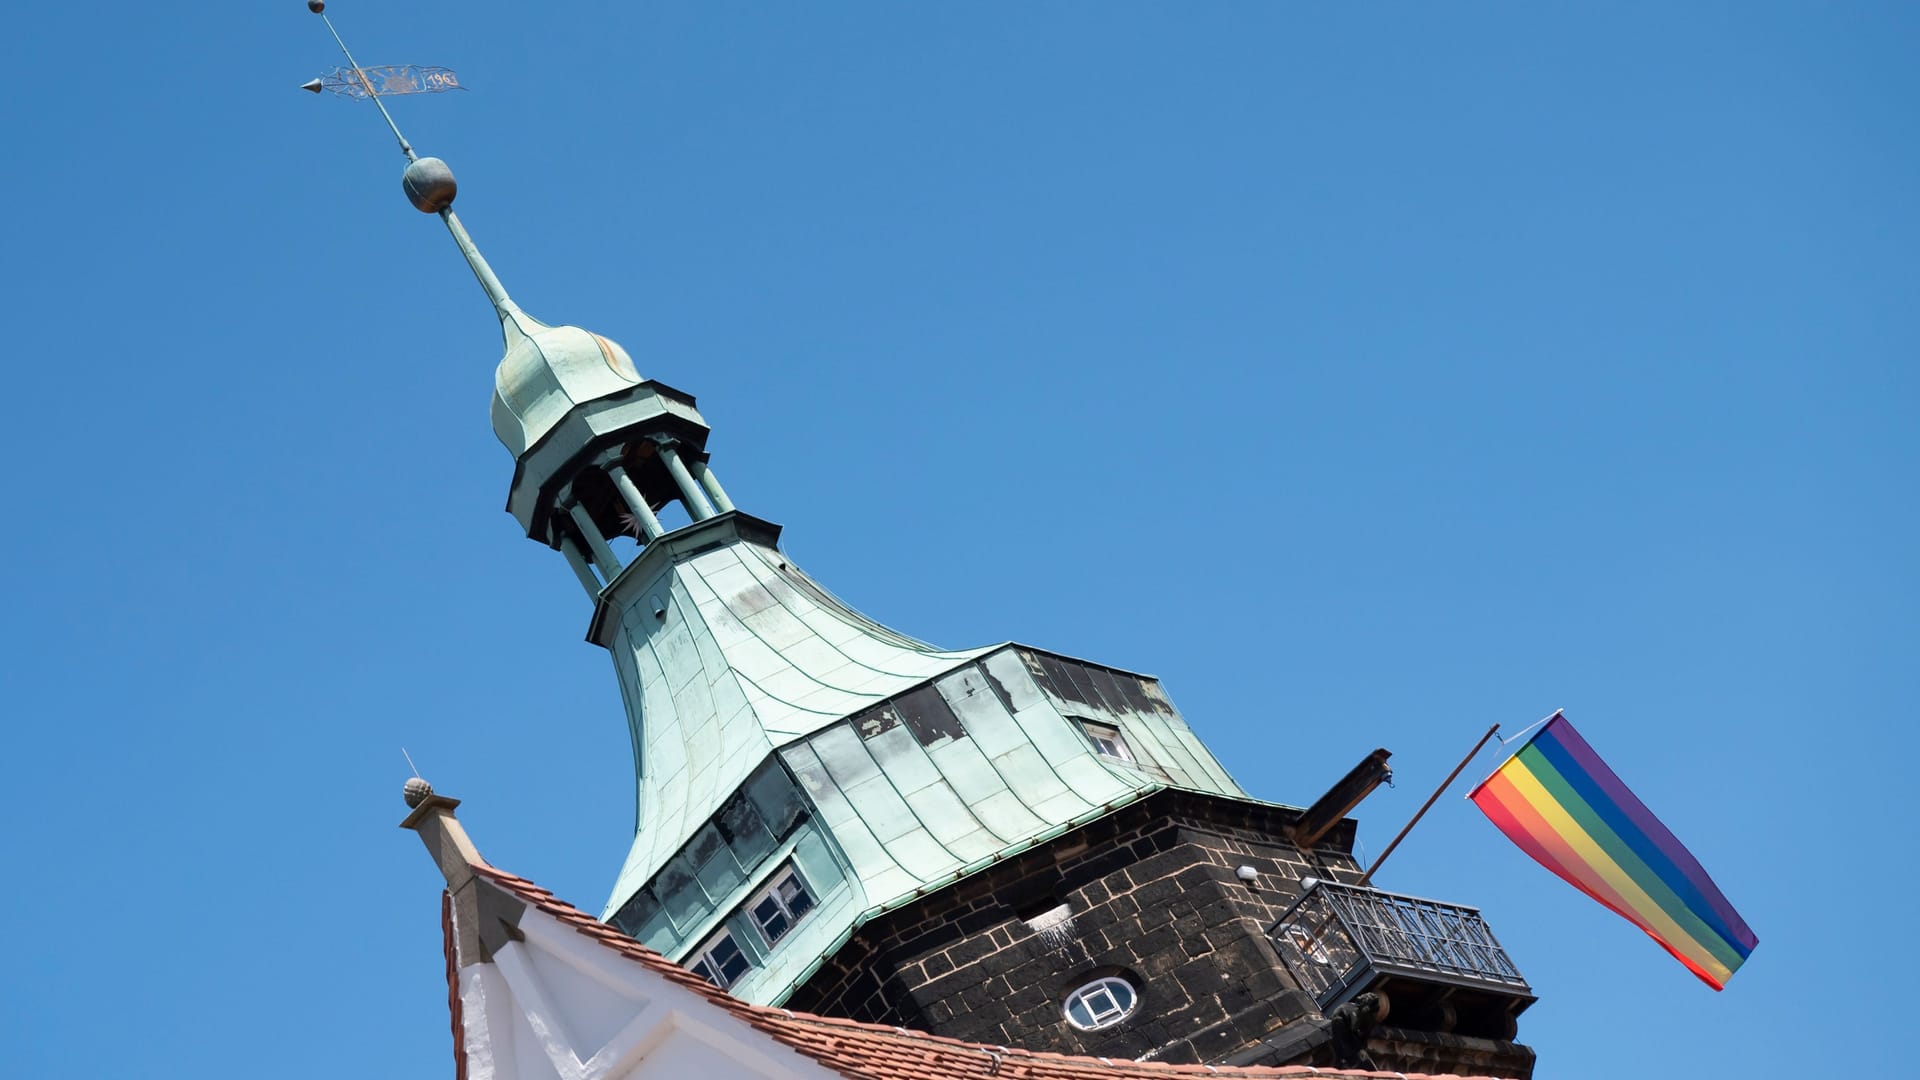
pixel 864 1051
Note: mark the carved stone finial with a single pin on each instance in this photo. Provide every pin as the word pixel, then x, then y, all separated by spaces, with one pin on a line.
pixel 416 791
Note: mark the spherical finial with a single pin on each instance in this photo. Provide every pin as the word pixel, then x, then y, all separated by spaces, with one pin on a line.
pixel 416 791
pixel 429 185
pixel 316 6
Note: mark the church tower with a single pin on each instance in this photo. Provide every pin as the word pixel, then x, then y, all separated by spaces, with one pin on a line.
pixel 1002 844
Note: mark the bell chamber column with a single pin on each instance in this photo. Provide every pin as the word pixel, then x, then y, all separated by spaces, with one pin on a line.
pixel 691 495
pixel 603 557
pixel 579 538
pixel 712 486
pixel 630 494
pixel 577 562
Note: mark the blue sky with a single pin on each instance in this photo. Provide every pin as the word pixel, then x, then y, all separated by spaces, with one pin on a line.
pixel 1371 374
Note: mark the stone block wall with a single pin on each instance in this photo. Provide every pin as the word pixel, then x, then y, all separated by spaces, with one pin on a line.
pixel 1152 895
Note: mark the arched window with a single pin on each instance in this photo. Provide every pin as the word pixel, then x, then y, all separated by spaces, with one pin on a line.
pixel 1101 1003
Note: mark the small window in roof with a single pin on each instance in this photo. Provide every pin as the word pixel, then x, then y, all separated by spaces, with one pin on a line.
pixel 1107 741
pixel 784 902
pixel 720 961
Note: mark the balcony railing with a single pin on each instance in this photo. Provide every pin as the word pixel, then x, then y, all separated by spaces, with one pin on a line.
pixel 1339 939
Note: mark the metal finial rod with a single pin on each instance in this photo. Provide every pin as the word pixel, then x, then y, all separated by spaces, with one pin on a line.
pixel 429 184
pixel 489 281
pixel 405 147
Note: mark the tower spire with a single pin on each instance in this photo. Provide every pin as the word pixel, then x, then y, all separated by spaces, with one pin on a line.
pixel 431 188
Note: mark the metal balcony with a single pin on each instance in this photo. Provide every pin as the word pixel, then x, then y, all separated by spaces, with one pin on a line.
pixel 1340 940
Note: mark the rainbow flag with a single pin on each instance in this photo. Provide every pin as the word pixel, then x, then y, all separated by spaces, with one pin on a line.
pixel 1560 803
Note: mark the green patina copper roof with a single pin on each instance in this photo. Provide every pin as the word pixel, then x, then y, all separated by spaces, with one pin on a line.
pixel 920 765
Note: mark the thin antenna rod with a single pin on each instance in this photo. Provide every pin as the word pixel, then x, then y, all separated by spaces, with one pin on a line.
pixel 410 764
pixel 405 147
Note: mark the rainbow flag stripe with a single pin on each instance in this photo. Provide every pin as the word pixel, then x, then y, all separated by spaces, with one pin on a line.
pixel 1560 803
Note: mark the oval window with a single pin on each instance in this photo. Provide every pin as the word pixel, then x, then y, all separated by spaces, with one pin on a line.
pixel 1101 1003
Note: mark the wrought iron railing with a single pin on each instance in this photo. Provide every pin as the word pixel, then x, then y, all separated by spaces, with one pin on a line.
pixel 1337 938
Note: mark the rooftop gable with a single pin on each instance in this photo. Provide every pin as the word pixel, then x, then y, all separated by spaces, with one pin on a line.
pixel 547 991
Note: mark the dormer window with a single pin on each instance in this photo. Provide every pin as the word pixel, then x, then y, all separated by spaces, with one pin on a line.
pixel 1107 741
pixel 784 902
pixel 720 960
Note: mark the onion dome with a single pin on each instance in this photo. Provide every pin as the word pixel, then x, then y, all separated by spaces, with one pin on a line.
pixel 547 371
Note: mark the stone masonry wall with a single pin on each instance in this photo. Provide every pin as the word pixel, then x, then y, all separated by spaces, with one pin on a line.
pixel 1152 896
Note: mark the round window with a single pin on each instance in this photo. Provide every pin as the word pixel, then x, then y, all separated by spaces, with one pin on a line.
pixel 1101 1003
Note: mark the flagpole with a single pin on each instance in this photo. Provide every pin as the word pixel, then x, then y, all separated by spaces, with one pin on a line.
pixel 1428 805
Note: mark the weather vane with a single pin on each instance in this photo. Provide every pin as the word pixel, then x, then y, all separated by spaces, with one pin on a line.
pixel 427 181
pixel 374 83
pixel 386 80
